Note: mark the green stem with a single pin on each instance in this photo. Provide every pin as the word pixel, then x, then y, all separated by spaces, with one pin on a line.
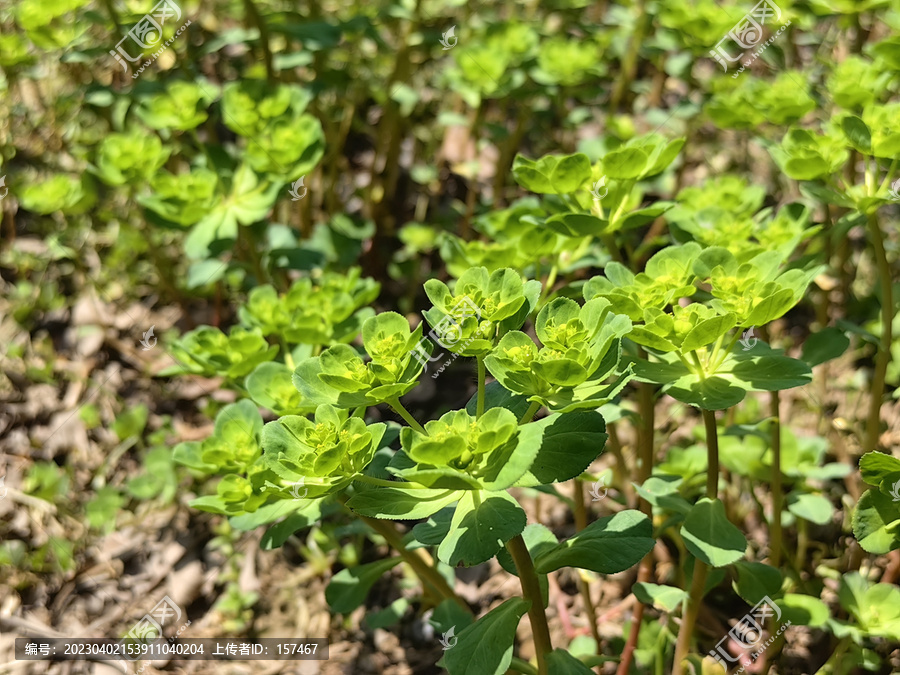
pixel 417 559
pixel 404 413
pixel 630 59
pixel 833 663
pixel 531 591
pixel 701 569
pixel 734 339
pixel 883 357
pixel 253 17
pixel 548 285
pixel 699 365
pixel 777 496
pixel 716 348
pixel 288 359
pixel 644 470
pixel 689 618
pixel 479 408
pixel 581 521
pixel 522 666
pixel 530 413
pixel 609 241
pixel 712 453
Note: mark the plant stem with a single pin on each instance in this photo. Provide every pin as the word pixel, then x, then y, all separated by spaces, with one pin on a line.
pixel 689 618
pixel 609 241
pixel 647 411
pixel 479 408
pixel 712 454
pixel 701 569
pixel 883 357
pixel 530 413
pixel 531 590
pixel 288 359
pixel 522 666
pixel 630 59
pixel 404 413
pixel 418 559
pixel 583 585
pixel 548 285
pixel 777 496
pixel 253 17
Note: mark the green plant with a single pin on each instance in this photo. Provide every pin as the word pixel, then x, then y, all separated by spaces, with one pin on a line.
pixel 467 458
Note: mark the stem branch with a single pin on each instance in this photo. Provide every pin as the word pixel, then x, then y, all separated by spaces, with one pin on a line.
pixel 404 413
pixel 479 411
pixel 531 590
pixel 883 357
pixel 530 413
pixel 418 559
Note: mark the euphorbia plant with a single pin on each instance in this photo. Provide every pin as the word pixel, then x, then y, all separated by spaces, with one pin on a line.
pixel 696 362
pixel 458 471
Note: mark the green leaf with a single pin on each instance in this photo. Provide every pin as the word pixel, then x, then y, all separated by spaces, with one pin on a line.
pixel 857 134
pixel 876 607
pixel 666 598
pixel 101 511
pixel 486 647
pixel 348 589
pixel 876 522
pixel 756 580
pixel 710 536
pixel 577 224
pixel 398 503
pixel 606 546
pixel 712 393
pixel 771 373
pixel 662 492
pixel 561 662
pixel 552 174
pixel 875 467
pixel 734 378
pixel 482 523
pixel 275 536
pixel 498 396
pixel 265 514
pixel 568 444
pixel 814 508
pixel 433 530
pixel 448 614
pixel 824 345
pixel 625 163
pixel 389 616
pixel 803 610
pixel 706 332
pixel 270 386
